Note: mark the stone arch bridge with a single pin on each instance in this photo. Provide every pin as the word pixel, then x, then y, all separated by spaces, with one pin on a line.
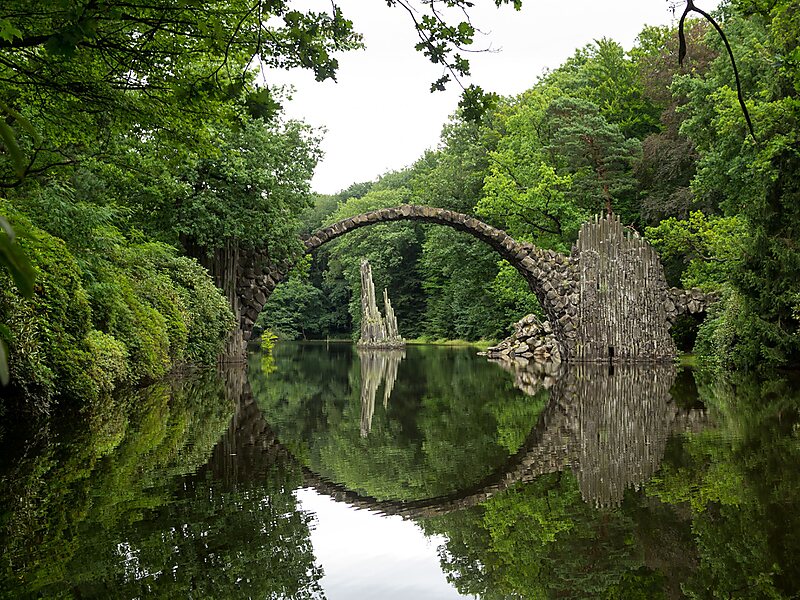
pixel 609 428
pixel 607 301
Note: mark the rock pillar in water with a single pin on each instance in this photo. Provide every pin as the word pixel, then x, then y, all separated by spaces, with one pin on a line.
pixel 376 331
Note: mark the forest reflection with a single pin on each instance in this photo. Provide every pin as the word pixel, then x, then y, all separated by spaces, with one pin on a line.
pixel 599 485
pixel 608 426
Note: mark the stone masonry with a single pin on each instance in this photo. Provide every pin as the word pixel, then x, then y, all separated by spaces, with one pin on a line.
pixel 607 301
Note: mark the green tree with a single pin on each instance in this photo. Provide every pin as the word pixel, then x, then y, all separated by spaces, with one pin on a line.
pixel 755 180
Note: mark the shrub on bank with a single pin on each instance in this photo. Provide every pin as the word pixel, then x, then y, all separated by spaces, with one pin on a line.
pixel 48 351
pixel 122 314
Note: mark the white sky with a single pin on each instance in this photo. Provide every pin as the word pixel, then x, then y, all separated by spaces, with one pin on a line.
pixel 380 116
pixel 365 556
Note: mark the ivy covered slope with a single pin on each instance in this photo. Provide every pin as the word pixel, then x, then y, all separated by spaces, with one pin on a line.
pixel 105 312
pixel 666 147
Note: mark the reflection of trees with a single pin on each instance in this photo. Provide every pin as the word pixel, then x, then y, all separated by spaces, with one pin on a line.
pixel 743 485
pixel 116 511
pixel 725 526
pixel 567 529
pixel 452 419
pixel 609 427
pixel 377 367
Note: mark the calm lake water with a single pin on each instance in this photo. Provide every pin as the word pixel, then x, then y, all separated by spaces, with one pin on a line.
pixel 430 473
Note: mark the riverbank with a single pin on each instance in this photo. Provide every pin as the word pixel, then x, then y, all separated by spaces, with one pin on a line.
pixel 478 344
pixel 421 341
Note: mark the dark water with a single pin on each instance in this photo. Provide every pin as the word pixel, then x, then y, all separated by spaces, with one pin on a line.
pixel 323 472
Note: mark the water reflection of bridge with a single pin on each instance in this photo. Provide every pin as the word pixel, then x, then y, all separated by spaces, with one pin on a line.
pixel 609 428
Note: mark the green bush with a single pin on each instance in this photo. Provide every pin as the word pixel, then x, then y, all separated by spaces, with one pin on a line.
pixel 207 318
pixel 48 353
pixel 163 307
pixel 734 336
pixel 110 360
pixel 122 314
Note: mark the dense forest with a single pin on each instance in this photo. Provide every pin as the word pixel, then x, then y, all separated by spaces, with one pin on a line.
pixel 136 143
pixel 664 146
pixel 139 152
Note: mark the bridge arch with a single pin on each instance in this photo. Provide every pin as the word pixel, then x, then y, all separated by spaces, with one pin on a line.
pixel 608 301
pixel 549 274
pixel 610 430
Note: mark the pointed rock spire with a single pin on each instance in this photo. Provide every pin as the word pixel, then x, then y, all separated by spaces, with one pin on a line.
pixel 376 331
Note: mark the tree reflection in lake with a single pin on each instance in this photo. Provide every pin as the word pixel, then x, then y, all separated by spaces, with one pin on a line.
pixel 127 508
pixel 609 428
pixel 452 420
pixel 719 520
pixel 599 485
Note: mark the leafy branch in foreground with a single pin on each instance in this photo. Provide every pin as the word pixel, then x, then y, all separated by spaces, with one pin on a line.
pixel 443 41
pixel 14 259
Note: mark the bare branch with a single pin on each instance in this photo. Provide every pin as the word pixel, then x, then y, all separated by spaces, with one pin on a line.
pixel 690 7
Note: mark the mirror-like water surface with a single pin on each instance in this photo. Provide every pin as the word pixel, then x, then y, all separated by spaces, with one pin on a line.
pixel 328 472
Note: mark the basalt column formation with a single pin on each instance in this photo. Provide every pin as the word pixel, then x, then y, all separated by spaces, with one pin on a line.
pixel 377 331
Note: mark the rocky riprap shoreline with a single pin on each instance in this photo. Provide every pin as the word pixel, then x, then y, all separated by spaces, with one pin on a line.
pixel 532 340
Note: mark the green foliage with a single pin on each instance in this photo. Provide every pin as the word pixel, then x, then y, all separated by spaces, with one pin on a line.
pixel 163 307
pixel 125 482
pixel 566 148
pixel 712 247
pixel 124 316
pixel 111 360
pixel 741 486
pixel 295 310
pixel 16 262
pixel 119 63
pixel 48 353
pixel 250 191
pixel 756 181
pixel 468 295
